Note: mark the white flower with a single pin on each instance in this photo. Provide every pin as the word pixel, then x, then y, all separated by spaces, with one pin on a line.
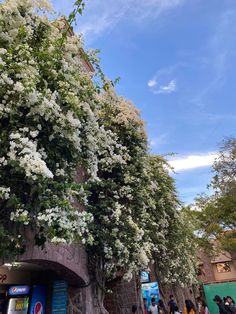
pixel 18 87
pixel 34 133
pixel 4 193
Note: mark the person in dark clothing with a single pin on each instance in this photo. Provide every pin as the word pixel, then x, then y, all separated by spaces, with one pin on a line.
pixel 231 304
pixel 222 308
pixel 145 305
pixel 161 307
pixel 134 309
pixel 172 304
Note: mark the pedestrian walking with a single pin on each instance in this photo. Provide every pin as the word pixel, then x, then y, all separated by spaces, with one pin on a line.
pixel 161 307
pixel 153 309
pixel 223 309
pixel 177 310
pixel 204 309
pixel 231 304
pixel 145 306
pixel 189 307
pixel 172 304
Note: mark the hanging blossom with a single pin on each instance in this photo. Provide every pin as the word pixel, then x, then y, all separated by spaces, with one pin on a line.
pixel 54 120
pixel 24 150
pixel 48 123
pixel 4 193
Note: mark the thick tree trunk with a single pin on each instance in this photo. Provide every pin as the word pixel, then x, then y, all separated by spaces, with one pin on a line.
pixel 99 299
pixel 86 300
pixel 98 288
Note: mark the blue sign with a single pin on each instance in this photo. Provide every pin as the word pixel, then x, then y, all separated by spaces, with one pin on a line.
pixel 59 297
pixel 144 276
pixel 149 291
pixel 38 300
pixel 19 290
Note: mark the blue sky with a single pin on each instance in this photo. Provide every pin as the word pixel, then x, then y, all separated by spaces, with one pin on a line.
pixel 177 63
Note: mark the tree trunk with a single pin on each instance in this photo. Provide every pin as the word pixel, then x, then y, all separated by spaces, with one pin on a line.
pixel 97 289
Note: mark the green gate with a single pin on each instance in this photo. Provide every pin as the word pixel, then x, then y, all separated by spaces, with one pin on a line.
pixel 221 289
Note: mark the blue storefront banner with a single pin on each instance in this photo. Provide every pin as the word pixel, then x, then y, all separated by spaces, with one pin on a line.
pixel 59 297
pixel 38 300
pixel 19 290
pixel 144 277
pixel 149 291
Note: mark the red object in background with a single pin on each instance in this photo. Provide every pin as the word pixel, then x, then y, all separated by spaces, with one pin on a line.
pixel 38 308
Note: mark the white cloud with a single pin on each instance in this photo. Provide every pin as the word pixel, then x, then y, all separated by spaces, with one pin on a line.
pixel 193 161
pixel 158 141
pixel 167 89
pixel 165 74
pixel 152 83
pixel 101 16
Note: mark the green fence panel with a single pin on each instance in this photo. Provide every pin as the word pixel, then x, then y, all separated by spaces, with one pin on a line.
pixel 221 289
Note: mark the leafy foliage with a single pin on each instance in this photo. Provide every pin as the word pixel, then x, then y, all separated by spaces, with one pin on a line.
pixel 47 121
pixel 216 219
pixel 54 120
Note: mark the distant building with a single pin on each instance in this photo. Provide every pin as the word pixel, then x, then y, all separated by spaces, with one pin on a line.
pixel 218 277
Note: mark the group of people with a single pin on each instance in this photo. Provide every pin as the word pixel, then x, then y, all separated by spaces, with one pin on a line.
pixel 159 307
pixel 226 306
pixel 154 308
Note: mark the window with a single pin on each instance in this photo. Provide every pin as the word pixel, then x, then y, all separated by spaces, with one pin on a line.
pixel 223 267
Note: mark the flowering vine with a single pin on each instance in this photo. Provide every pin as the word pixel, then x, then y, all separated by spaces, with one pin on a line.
pixel 55 119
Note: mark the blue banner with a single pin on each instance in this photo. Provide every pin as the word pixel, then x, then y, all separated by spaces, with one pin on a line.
pixel 59 297
pixel 38 300
pixel 144 277
pixel 149 291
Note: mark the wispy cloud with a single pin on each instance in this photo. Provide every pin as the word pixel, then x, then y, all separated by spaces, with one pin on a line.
pixel 218 54
pixel 99 16
pixel 193 161
pixel 155 142
pixel 152 83
pixel 162 81
pixel 167 89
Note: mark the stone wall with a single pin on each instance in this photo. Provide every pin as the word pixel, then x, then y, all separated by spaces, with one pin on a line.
pixel 68 261
pixel 124 295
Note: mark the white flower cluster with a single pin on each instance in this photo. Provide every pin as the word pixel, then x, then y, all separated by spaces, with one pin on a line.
pixel 47 104
pixel 4 193
pixel 53 118
pixel 24 150
pixel 20 215
pixel 69 222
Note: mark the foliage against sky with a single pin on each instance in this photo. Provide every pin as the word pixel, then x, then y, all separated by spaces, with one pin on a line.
pixel 53 119
pixel 176 60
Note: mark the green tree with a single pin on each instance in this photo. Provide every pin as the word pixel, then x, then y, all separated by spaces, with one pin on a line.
pixel 170 229
pixel 216 219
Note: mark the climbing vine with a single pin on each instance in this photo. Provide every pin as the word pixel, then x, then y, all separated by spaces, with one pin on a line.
pixel 56 120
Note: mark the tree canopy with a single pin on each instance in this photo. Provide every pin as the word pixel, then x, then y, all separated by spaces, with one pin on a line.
pixel 215 217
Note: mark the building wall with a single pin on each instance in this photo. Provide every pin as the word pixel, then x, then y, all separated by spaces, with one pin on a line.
pixel 10 276
pixel 205 267
pixel 208 268
pixel 124 295
pixel 224 276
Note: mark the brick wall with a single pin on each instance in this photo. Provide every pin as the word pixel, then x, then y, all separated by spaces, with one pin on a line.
pixel 207 272
pixel 124 295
